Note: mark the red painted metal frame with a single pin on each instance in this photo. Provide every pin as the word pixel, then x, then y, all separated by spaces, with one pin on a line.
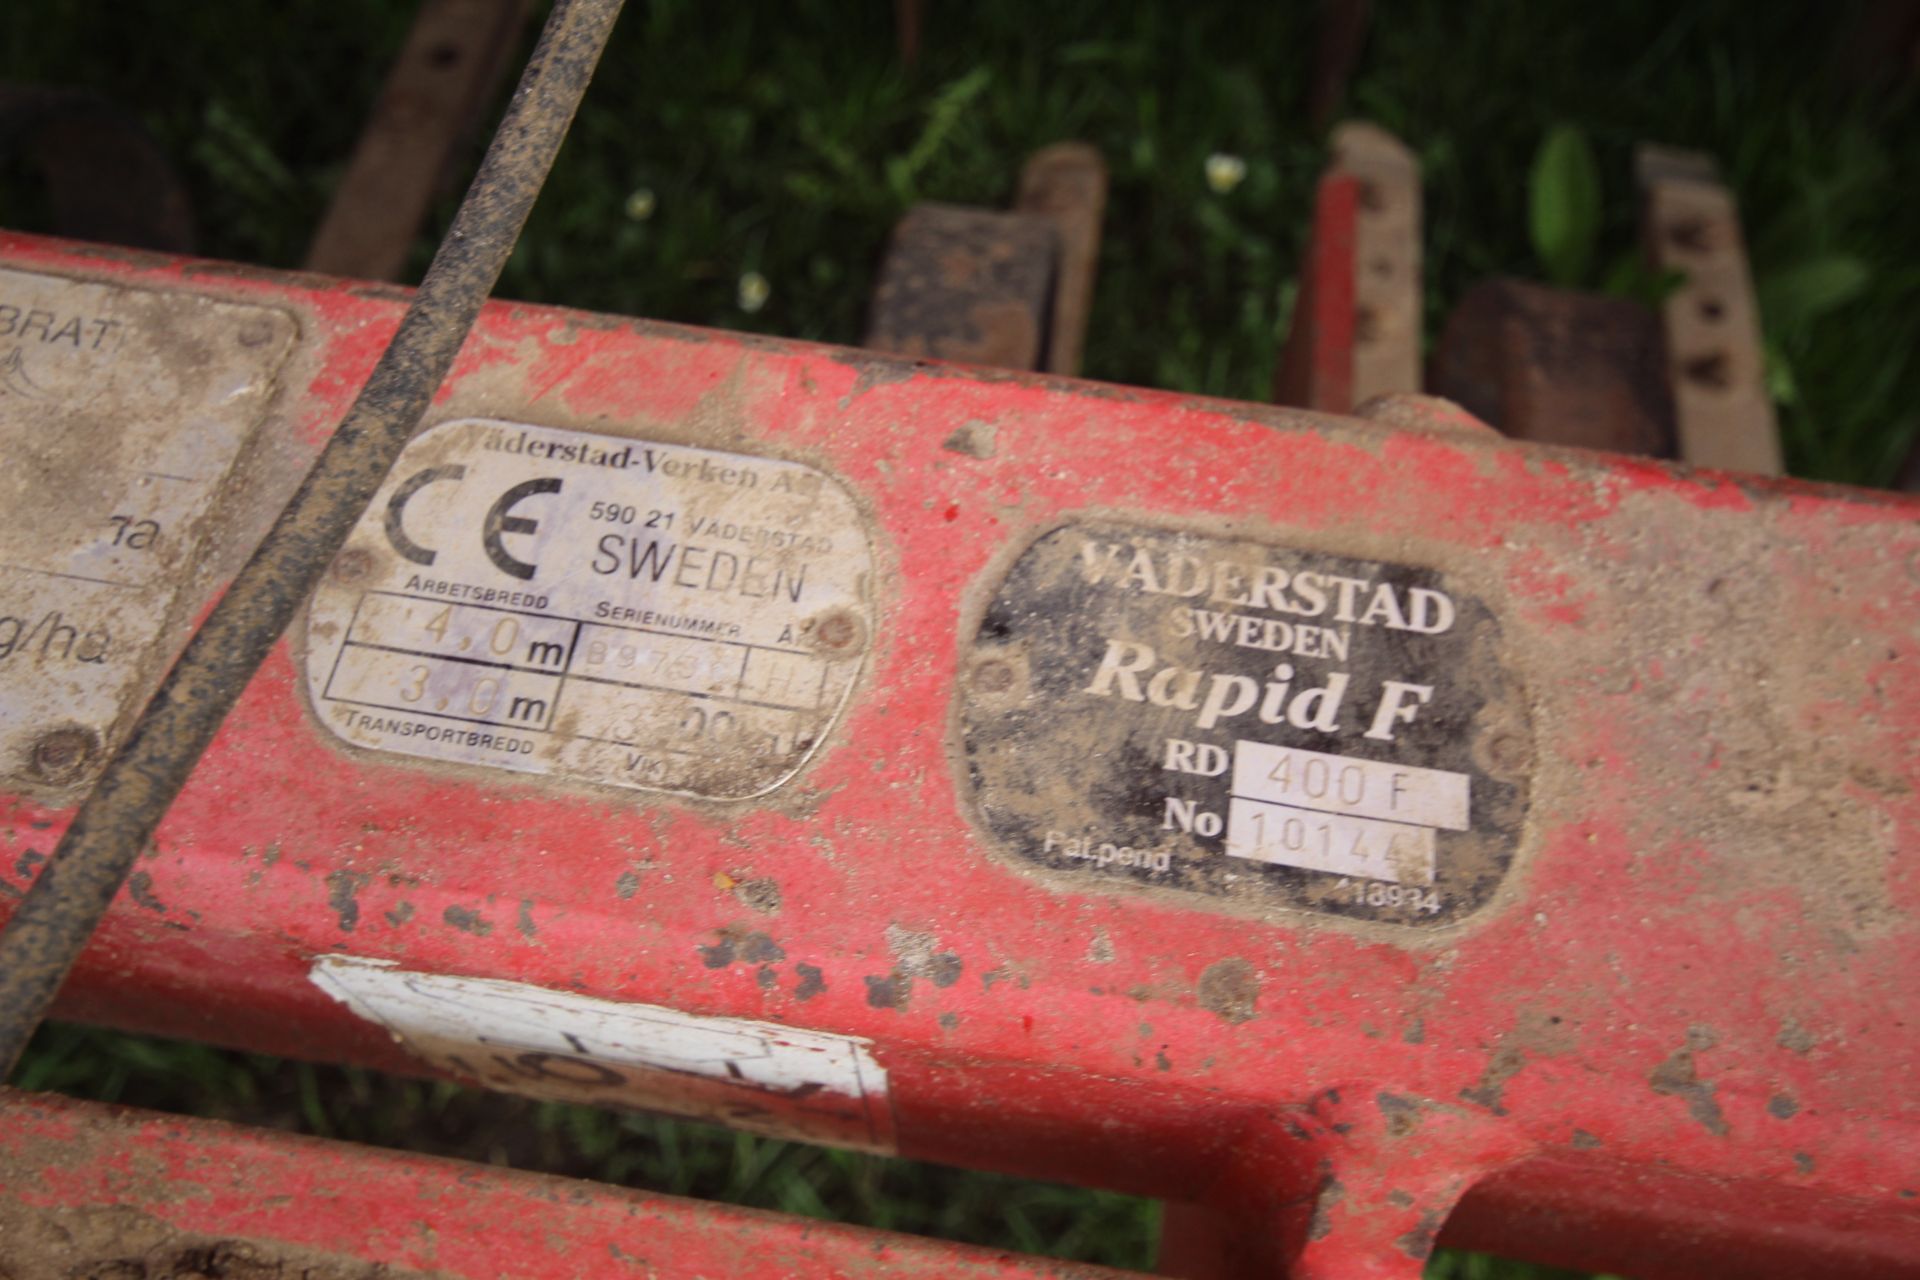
pixel 1316 363
pixel 1684 1039
pixel 90 1171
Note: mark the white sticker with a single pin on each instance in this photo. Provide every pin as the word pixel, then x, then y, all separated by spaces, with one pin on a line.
pixel 593 607
pixel 1339 814
pixel 122 411
pixel 759 1076
pixel 1343 784
pixel 1332 842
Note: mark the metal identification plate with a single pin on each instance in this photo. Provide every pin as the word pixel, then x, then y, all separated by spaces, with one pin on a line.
pixel 1242 721
pixel 122 412
pixel 595 608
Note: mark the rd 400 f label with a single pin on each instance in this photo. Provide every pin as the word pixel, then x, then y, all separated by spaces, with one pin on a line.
pixel 1250 722
pixel 595 608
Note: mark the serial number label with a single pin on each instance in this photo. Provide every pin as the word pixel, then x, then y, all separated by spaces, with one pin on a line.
pixel 1243 721
pixel 597 608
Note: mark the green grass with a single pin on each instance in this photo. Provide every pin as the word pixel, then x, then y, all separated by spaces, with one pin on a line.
pixel 785 139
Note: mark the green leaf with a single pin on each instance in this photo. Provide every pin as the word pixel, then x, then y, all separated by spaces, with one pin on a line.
pixel 1800 294
pixel 1781 383
pixel 1564 198
pixel 1630 276
pixel 944 115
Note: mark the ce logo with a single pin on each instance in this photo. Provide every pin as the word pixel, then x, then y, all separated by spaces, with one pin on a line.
pixel 497 523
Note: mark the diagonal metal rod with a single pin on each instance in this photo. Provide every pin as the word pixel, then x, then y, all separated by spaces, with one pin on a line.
pixel 58 914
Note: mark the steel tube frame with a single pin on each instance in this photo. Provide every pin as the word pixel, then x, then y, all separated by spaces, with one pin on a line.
pixel 1682 1032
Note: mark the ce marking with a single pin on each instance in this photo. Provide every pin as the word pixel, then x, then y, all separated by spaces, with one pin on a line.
pixel 499 520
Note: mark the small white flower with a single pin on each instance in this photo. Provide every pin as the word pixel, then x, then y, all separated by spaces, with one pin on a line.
pixel 1225 172
pixel 753 292
pixel 640 204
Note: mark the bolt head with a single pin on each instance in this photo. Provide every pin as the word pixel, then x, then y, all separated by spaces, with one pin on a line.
pixel 61 755
pixel 839 633
pixel 993 676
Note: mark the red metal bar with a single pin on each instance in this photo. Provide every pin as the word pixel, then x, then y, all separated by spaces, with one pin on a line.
pixel 1316 364
pixel 1678 1030
pixel 89 1186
